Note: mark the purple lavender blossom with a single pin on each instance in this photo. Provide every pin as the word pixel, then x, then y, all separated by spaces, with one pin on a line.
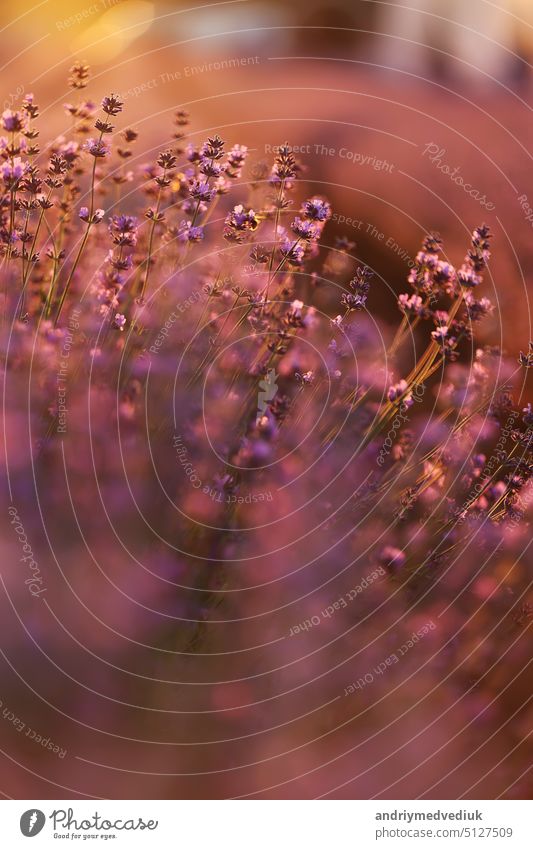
pixel 97 148
pixel 12 122
pixel 317 209
pixel 190 233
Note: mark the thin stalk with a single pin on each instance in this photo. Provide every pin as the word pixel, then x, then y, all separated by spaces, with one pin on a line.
pixel 148 260
pixel 207 356
pixel 26 275
pixel 275 242
pixel 83 243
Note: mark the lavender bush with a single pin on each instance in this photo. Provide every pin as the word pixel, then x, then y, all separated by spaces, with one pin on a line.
pixel 213 436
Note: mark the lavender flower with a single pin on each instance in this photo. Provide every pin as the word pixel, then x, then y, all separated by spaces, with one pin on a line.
pixel 469 275
pixel 123 229
pixel 12 122
pixel 79 75
pixel 97 148
pixel 13 172
pixel 284 168
pixel 399 391
pixel 440 333
pixel 360 286
pixel 119 321
pixel 96 217
pixel 411 304
pixel 200 190
pixel 527 417
pixel 316 209
pixel 190 233
pixel 236 159
pixel 239 222
pixel 112 105
pixel 291 251
pixel 306 230
pixel 477 310
pixel 526 359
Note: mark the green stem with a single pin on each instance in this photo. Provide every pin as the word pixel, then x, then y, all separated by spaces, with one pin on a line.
pixel 83 243
pixel 148 260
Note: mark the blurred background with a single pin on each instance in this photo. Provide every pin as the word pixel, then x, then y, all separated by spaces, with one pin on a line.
pixel 409 118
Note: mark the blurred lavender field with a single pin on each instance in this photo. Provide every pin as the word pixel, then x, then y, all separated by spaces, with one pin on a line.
pixel 266 402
